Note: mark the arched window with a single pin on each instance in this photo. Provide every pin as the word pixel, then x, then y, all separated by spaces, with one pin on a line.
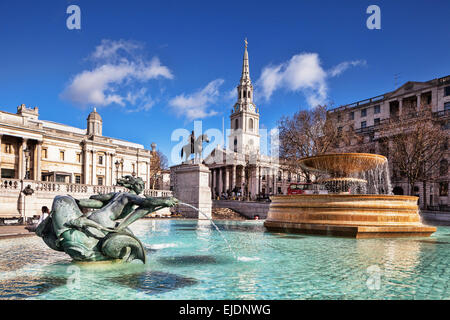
pixel 249 94
pixel 245 94
pixel 235 144
pixel 443 167
pixel 236 124
pixel 250 124
pixel 398 191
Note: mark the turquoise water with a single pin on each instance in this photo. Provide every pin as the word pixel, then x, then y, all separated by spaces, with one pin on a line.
pixel 188 259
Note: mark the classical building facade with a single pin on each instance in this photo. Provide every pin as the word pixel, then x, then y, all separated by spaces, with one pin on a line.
pixel 241 168
pixel 410 101
pixel 40 150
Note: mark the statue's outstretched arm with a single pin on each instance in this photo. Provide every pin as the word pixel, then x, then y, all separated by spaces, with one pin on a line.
pixel 103 197
pixel 147 206
pixel 89 203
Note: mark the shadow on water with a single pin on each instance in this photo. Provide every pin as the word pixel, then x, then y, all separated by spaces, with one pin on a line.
pixel 27 287
pixel 153 282
pixel 188 260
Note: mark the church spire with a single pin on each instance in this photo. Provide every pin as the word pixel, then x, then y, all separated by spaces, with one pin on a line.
pixel 245 66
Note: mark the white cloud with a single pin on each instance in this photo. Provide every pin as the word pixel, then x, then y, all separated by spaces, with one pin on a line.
pixel 195 105
pixel 302 73
pixel 117 71
pixel 341 67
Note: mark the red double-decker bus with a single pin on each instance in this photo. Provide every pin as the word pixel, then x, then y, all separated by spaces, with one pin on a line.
pixel 306 188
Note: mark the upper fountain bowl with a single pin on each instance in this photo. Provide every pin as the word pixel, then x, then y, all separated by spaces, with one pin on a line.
pixel 342 164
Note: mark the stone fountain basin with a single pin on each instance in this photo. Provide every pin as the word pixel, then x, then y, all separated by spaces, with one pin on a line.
pixel 342 164
pixel 359 216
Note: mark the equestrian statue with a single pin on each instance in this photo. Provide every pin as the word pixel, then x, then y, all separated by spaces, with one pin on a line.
pixel 195 147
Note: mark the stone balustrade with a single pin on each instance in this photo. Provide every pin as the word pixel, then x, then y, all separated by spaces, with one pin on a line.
pixel 15 204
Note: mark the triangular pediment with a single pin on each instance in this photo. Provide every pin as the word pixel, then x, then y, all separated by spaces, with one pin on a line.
pixel 410 86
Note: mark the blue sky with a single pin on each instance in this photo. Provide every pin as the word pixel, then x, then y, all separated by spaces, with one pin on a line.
pixel 151 67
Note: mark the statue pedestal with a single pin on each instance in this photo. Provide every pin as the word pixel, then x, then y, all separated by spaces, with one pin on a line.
pixel 191 185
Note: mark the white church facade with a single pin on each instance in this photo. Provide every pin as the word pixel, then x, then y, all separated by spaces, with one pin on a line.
pixel 240 168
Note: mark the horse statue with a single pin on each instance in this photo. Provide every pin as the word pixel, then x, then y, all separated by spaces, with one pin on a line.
pixel 103 233
pixel 195 146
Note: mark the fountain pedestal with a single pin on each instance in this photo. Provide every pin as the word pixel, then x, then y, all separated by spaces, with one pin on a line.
pixel 191 185
pixel 345 214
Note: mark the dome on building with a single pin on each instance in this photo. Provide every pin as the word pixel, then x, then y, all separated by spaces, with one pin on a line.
pixel 94 115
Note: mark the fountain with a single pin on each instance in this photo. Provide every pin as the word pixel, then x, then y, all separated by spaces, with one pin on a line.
pixel 359 203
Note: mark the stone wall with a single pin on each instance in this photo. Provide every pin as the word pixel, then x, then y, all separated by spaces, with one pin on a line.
pixel 14 204
pixel 248 209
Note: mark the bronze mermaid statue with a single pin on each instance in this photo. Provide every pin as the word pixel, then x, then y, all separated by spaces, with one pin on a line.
pixel 102 233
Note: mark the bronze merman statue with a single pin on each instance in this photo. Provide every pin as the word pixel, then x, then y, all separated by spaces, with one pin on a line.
pixel 102 234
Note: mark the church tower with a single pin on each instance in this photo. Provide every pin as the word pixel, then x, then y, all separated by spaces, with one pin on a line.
pixel 244 137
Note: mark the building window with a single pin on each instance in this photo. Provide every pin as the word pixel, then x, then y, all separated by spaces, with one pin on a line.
pixel 249 95
pixel 376 121
pixel 79 157
pixel 279 190
pixel 8 148
pixel 8 173
pixel 339 129
pixel 100 181
pixel 376 109
pixel 447 91
pixel 235 144
pixel 363 124
pixel 61 155
pixel 443 189
pixel 236 124
pixel 339 118
pixel 280 175
pixel 77 179
pixel 60 178
pixel 447 106
pixel 44 153
pixel 363 113
pixel 250 124
pixel 352 116
pixel 443 167
pixel 100 159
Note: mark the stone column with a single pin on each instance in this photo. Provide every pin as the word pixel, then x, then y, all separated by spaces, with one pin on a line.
pixel 22 159
pixel 213 182
pixel 86 166
pixel 37 161
pixel 418 107
pixel 255 182
pixel 148 173
pixel 220 182
pixel 243 180
pixel 1 136
pixel 107 182
pixel 233 177
pixel 227 179
pixel 94 167
pixel 275 178
pixel 400 106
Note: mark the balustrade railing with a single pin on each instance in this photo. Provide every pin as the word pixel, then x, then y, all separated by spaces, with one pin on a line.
pixel 65 188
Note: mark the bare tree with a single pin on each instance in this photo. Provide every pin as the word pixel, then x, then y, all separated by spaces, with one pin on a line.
pixel 158 165
pixel 308 133
pixel 415 148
